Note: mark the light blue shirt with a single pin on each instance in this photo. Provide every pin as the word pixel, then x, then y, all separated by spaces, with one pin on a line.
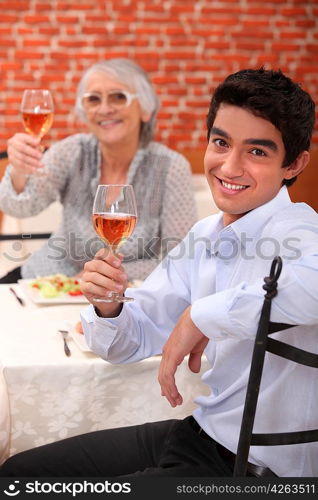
pixel 220 271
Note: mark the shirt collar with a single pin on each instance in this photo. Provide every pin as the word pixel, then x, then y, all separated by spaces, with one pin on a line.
pixel 251 224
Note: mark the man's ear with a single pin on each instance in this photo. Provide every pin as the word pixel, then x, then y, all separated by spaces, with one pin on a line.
pixel 298 165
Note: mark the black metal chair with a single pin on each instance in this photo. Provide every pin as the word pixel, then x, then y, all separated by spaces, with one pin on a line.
pixel 262 344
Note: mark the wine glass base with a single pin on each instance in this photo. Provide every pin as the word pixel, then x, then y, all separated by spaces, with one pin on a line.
pixel 113 299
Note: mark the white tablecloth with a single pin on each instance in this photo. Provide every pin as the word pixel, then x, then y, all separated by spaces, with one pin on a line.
pixel 46 396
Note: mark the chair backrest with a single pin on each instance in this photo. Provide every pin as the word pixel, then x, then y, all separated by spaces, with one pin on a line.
pixel 262 344
pixel 3 164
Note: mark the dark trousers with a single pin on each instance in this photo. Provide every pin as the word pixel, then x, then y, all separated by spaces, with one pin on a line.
pixel 12 276
pixel 168 448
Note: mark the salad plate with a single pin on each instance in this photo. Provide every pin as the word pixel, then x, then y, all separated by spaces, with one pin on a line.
pixel 55 289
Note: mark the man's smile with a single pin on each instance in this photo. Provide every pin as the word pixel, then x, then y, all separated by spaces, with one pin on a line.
pixel 232 187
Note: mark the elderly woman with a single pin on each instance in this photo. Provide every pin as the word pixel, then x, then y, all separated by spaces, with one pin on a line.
pixel 118 105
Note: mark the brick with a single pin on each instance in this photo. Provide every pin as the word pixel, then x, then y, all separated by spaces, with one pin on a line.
pixel 7 42
pixel 126 18
pixel 10 66
pixel 292 35
pixel 255 23
pixel 19 5
pixel 159 8
pixel 228 21
pixel 137 43
pixel 187 116
pixel 312 48
pixel 25 31
pixel 267 58
pixel 282 24
pixel 23 76
pixel 236 58
pixel 204 67
pixel 94 30
pixel 162 18
pixel 184 42
pixel 196 104
pixel 170 67
pixel 169 103
pixel 195 80
pixel 302 68
pixel 163 115
pixel 145 31
pixel 178 9
pixel 43 6
pixel 72 43
pixel 52 67
pixel 180 137
pixel 217 45
pixel 73 6
pixel 98 18
pixel 13 98
pixel 249 46
pixel 67 19
pixel 266 35
pixel 9 112
pixel 122 30
pixel 104 42
pixel 260 11
pixel 36 19
pixel 159 80
pixel 305 23
pixel 178 55
pixel 284 47
pixel 207 32
pixel 8 18
pixel 25 55
pixel 180 91
pixel 37 43
pixel 175 31
pixel 211 10
pixel 293 12
pixel 48 31
pixel 55 77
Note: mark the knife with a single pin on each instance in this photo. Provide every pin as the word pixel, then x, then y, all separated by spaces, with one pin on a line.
pixel 21 301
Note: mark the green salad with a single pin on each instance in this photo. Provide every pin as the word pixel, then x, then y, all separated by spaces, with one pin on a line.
pixel 56 285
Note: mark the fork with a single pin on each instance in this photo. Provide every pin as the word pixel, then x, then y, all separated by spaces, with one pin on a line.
pixel 66 347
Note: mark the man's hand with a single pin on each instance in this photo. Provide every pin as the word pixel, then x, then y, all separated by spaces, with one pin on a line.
pixel 103 275
pixel 185 339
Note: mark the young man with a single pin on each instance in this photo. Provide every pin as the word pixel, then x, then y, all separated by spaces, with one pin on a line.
pixel 207 296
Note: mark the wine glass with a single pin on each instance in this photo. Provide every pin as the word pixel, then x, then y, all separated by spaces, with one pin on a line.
pixel 37 111
pixel 114 220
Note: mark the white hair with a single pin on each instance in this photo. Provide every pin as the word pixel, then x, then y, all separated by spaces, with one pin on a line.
pixel 133 76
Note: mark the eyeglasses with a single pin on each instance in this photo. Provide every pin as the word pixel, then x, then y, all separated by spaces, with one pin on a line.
pixel 114 99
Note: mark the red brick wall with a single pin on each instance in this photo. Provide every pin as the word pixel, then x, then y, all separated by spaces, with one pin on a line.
pixel 187 46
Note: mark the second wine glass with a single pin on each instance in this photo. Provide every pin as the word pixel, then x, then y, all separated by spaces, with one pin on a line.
pixel 37 111
pixel 114 220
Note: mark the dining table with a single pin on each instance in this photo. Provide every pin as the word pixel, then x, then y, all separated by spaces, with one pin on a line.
pixel 46 395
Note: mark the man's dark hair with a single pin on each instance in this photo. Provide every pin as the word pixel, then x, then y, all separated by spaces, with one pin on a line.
pixel 275 97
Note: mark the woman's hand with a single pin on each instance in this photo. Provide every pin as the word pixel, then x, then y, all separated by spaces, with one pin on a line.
pixel 103 275
pixel 25 155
